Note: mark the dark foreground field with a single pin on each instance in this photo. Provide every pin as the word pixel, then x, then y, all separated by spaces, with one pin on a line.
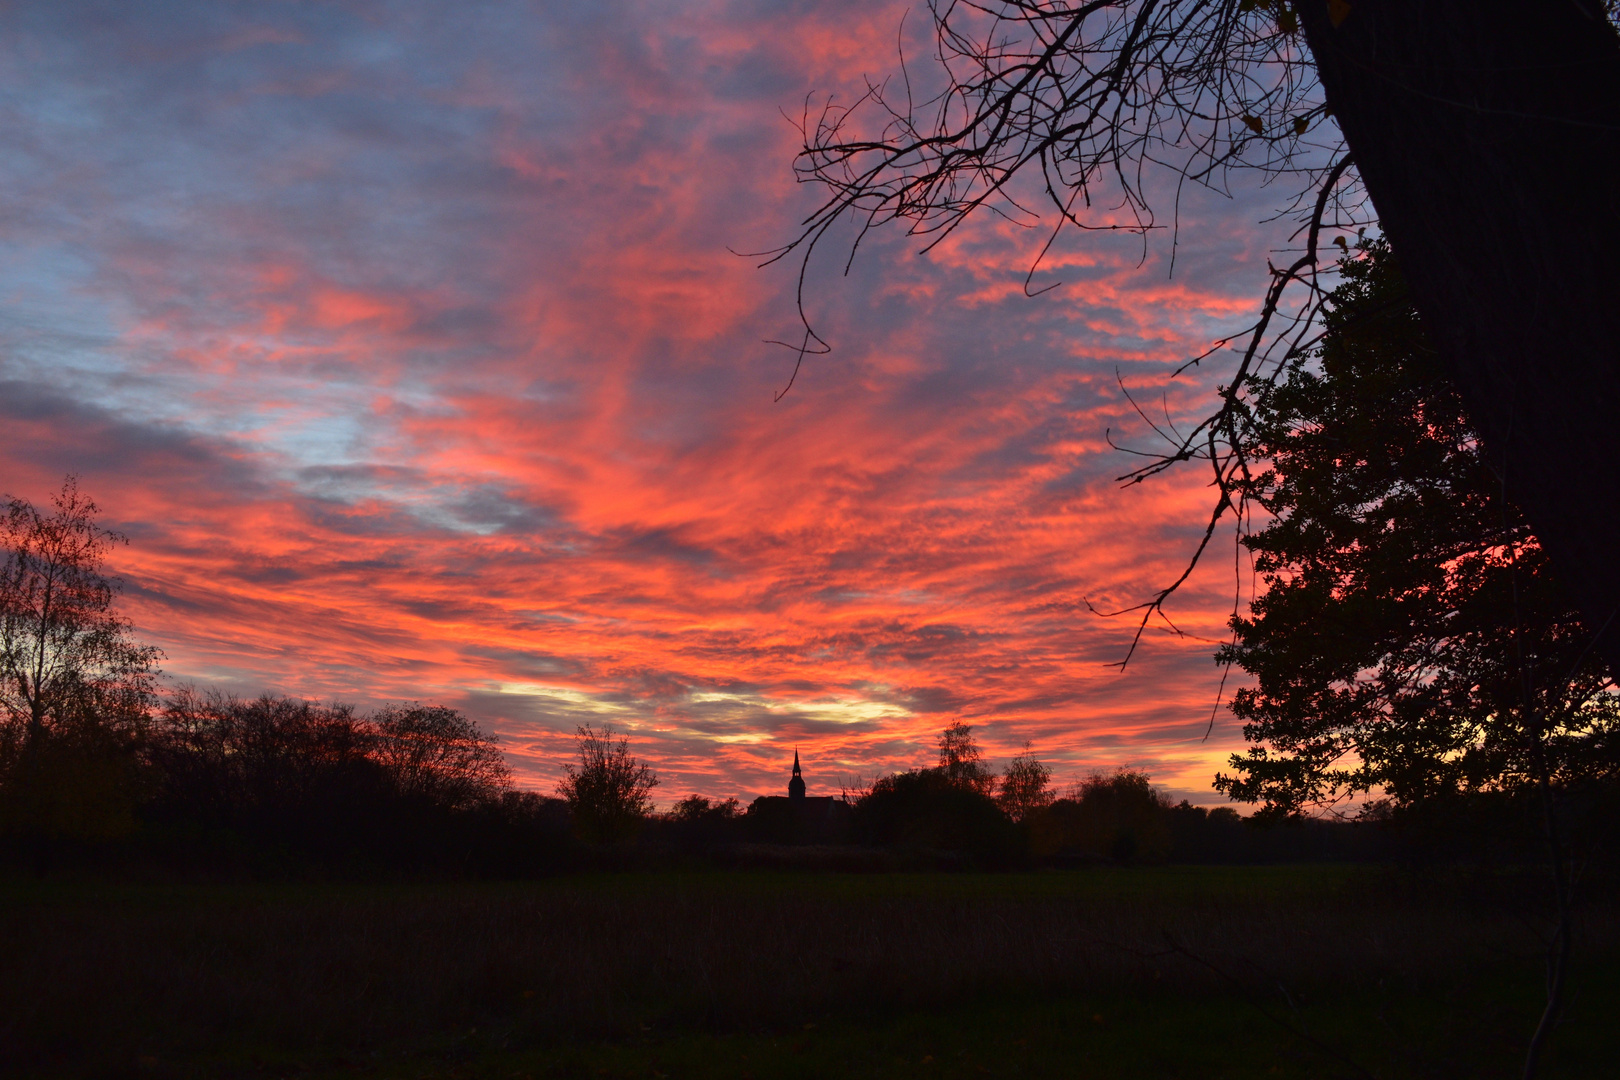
pixel 1169 972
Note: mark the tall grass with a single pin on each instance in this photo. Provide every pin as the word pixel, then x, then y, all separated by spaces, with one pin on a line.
pixel 100 975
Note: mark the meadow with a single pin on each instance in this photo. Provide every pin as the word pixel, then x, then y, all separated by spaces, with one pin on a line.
pixel 1229 971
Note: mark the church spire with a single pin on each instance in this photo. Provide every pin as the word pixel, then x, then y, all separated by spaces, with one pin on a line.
pixel 796 785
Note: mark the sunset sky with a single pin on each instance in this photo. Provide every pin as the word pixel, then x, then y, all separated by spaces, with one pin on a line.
pixel 407 344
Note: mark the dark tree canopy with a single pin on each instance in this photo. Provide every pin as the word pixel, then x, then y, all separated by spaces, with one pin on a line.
pixel 1411 637
pixel 1119 817
pixel 269 765
pixel 928 809
pixel 275 779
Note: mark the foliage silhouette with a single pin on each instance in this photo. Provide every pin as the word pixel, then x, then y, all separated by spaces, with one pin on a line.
pixel 415 787
pixel 961 761
pixel 697 825
pixel 927 809
pixel 437 755
pixel 1025 787
pixel 698 808
pixel 75 687
pixel 609 793
pixel 275 774
pixel 66 657
pixel 1411 638
pixel 1118 817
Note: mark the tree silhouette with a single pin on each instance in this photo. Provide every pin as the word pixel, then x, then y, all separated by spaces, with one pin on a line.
pixel 75 686
pixel 67 658
pixel 1483 132
pixel 960 760
pixel 275 772
pixel 1116 816
pixel 609 792
pixel 1411 638
pixel 411 787
pixel 1026 786
pixel 695 809
pixel 436 754
pixel 924 809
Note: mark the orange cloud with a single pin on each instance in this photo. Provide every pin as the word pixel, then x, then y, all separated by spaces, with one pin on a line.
pixel 451 389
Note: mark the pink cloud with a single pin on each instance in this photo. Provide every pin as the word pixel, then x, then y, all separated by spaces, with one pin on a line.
pixel 489 421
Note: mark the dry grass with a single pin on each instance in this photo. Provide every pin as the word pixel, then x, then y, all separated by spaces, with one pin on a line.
pixel 103 974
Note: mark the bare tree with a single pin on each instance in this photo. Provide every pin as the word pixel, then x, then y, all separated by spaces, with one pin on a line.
pixel 437 754
pixel 76 689
pixel 67 658
pixel 1484 133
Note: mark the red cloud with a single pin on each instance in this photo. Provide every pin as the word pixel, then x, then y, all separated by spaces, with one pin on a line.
pixel 488 420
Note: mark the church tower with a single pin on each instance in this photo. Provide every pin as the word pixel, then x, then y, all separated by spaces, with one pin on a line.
pixel 796 785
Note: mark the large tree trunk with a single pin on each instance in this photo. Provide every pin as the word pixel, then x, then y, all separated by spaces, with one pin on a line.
pixel 1488 135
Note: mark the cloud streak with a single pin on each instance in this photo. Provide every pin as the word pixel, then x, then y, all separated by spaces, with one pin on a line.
pixel 406 344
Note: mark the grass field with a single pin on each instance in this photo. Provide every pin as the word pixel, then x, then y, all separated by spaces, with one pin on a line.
pixel 1152 972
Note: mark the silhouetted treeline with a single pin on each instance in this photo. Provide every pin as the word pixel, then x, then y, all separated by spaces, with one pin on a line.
pixel 924 817
pixel 276 783
pixel 1120 818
